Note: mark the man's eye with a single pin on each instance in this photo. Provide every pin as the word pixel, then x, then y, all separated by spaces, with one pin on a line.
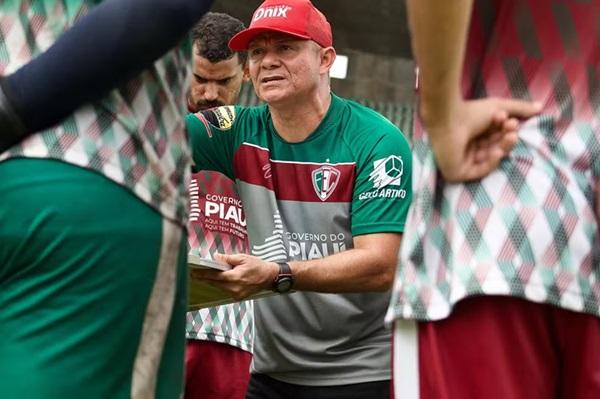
pixel 224 81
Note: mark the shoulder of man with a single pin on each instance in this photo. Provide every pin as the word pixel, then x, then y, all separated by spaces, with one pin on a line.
pixel 227 117
pixel 368 127
pixel 222 118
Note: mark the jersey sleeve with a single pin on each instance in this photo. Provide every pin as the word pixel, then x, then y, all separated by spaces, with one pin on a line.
pixel 212 138
pixel 383 186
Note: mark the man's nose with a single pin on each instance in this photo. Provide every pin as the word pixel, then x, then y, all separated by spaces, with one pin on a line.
pixel 270 59
pixel 211 92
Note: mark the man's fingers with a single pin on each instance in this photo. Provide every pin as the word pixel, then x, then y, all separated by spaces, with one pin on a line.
pixel 499 118
pixel 510 125
pixel 503 147
pixel 486 164
pixel 519 108
pixel 233 290
pixel 208 275
pixel 231 259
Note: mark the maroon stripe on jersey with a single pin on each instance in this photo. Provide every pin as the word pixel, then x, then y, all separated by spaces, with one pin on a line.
pixel 202 119
pixel 294 181
pixel 251 164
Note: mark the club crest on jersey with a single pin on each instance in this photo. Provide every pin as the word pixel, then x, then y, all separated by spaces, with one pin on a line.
pixel 387 171
pixel 325 179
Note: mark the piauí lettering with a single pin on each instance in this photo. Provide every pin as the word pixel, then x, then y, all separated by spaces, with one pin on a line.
pixel 307 250
pixel 306 246
pixel 225 212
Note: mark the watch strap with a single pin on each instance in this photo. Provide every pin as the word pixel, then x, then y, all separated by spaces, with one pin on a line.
pixel 284 278
pixel 284 269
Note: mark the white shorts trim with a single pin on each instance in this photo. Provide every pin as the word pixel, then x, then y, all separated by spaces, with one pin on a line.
pixel 406 360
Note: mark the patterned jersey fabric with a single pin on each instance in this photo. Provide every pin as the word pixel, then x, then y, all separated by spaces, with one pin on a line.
pixel 135 136
pixel 307 200
pixel 218 224
pixel 528 229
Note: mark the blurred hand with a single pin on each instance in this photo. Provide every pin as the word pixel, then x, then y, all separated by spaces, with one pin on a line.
pixel 248 275
pixel 477 136
pixel 598 200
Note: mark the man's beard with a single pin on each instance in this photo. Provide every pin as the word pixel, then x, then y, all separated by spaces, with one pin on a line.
pixel 204 105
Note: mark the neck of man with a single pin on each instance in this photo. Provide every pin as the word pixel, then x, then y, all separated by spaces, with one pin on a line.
pixel 299 118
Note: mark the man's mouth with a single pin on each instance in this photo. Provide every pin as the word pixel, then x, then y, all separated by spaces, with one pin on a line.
pixel 271 79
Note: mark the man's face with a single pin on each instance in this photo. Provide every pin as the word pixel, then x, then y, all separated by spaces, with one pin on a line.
pixel 283 68
pixel 215 84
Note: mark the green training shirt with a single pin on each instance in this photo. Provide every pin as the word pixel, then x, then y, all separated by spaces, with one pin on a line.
pixel 306 200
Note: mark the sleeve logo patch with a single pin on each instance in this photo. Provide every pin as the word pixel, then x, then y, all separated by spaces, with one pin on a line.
pixel 387 172
pixel 225 116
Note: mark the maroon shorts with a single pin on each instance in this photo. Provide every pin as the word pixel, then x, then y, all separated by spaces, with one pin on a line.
pixel 496 348
pixel 215 371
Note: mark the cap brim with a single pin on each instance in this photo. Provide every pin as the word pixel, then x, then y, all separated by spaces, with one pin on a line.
pixel 241 40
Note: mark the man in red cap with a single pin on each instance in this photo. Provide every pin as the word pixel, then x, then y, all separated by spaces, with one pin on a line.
pixel 326 184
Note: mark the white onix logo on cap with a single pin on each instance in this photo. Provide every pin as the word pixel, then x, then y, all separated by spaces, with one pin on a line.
pixel 269 12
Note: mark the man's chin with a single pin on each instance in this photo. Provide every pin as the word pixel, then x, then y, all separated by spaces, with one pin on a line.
pixel 275 98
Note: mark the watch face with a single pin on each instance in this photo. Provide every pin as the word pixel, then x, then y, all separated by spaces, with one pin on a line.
pixel 284 285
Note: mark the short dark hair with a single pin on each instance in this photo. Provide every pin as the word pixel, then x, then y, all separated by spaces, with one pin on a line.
pixel 211 36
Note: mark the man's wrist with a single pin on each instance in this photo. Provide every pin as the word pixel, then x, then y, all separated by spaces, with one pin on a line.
pixel 436 110
pixel 284 280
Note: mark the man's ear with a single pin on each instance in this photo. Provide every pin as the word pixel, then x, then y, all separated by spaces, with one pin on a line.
pixel 246 76
pixel 328 55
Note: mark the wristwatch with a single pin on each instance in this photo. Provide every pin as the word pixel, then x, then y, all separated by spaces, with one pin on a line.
pixel 285 280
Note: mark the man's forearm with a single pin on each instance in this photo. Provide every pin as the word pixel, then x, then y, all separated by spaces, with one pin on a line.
pixel 370 266
pixel 438 31
pixel 354 270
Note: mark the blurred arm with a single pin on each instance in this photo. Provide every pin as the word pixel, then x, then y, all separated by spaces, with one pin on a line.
pixel 598 200
pixel 108 46
pixel 438 32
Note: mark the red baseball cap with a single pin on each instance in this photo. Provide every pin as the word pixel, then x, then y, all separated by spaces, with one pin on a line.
pixel 298 18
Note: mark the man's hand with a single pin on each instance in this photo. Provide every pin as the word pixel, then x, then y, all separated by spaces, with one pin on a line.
pixel 248 275
pixel 477 136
